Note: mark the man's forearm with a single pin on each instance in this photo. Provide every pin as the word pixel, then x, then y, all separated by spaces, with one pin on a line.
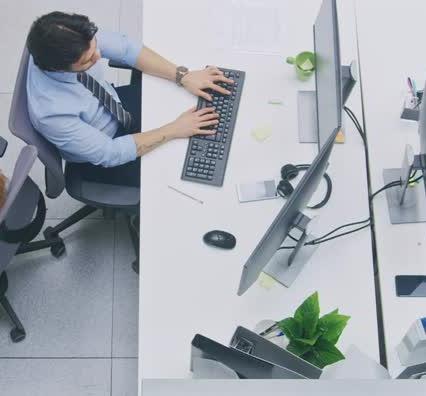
pixel 154 64
pixel 148 141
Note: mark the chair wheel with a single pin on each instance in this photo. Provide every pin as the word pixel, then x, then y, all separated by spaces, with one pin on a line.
pixel 17 335
pixel 58 250
pixel 48 234
pixel 135 266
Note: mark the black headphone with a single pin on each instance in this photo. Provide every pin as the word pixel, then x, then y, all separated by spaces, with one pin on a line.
pixel 289 172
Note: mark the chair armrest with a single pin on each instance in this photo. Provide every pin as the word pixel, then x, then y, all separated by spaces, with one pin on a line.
pixel 117 65
pixel 3 146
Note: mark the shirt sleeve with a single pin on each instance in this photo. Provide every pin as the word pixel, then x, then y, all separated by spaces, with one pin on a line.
pixel 74 136
pixel 118 47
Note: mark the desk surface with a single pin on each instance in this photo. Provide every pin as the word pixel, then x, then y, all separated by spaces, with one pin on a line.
pixel 187 287
pixel 392 48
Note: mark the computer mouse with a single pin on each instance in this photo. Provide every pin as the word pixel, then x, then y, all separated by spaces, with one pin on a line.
pixel 220 239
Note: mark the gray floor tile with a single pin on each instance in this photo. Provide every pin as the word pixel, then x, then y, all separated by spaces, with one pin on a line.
pixel 126 295
pixel 53 377
pixel 65 304
pixel 20 15
pixel 124 377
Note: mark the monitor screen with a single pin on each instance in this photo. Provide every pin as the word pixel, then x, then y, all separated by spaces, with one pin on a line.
pixel 328 74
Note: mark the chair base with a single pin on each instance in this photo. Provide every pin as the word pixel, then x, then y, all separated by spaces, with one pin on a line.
pixel 58 247
pixel 17 334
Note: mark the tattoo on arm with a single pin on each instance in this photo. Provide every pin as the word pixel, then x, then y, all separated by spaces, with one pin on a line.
pixel 147 142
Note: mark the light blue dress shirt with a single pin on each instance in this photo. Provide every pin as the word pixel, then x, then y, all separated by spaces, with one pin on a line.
pixel 70 117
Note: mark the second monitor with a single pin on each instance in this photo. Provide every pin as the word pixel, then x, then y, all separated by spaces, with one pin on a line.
pixel 291 261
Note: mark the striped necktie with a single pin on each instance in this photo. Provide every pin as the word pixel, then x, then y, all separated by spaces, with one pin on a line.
pixel 99 92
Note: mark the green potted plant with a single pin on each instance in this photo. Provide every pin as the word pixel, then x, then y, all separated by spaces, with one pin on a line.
pixel 314 338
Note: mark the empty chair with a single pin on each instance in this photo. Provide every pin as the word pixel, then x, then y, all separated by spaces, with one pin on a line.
pixel 21 219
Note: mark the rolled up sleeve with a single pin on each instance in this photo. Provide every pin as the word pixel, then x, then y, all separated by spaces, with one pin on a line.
pixel 118 47
pixel 73 136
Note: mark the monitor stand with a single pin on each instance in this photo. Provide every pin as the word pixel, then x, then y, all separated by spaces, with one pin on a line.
pixel 307 107
pixel 286 264
pixel 406 203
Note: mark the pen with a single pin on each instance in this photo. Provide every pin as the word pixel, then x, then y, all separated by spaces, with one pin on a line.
pixel 186 195
pixel 269 329
pixel 280 334
pixel 412 86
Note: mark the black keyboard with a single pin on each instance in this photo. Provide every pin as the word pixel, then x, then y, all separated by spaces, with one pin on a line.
pixel 207 155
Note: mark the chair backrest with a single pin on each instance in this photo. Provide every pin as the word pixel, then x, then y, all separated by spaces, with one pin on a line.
pixel 20 125
pixel 21 201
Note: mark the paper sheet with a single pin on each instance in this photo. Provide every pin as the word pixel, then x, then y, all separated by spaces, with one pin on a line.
pixel 257 26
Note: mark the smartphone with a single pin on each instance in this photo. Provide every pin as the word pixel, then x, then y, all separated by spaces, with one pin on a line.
pixel 410 285
pixel 257 191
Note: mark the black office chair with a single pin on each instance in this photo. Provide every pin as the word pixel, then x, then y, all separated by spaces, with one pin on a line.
pixel 19 226
pixel 108 197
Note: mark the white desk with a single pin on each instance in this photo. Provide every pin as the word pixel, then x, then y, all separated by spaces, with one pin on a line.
pixel 187 287
pixel 391 35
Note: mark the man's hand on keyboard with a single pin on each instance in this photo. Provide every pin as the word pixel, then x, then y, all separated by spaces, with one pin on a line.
pixel 197 81
pixel 191 122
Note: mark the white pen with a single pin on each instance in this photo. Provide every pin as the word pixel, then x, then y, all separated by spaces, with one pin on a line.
pixel 186 195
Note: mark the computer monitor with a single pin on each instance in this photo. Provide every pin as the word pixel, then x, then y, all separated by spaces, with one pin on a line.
pixel 422 124
pixel 285 265
pixel 246 366
pixel 328 76
pixel 262 348
pixel 407 203
pixel 320 111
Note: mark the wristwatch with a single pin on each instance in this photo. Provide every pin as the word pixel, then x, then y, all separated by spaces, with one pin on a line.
pixel 181 71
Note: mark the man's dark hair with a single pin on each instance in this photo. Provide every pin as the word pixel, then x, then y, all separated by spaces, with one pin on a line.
pixel 57 40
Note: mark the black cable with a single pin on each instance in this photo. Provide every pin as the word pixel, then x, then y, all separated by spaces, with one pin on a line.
pixel 386 187
pixel 316 242
pixel 343 226
pixel 358 126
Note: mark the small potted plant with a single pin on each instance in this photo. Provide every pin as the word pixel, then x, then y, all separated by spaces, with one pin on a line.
pixel 311 337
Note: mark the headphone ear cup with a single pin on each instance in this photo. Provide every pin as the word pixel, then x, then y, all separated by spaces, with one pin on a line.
pixel 285 189
pixel 289 172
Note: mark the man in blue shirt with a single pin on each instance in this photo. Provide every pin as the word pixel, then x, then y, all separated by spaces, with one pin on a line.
pixel 95 126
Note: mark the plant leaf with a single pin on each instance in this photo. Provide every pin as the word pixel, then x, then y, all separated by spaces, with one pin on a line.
pixel 332 326
pixel 323 354
pixel 297 348
pixel 310 341
pixel 291 328
pixel 308 315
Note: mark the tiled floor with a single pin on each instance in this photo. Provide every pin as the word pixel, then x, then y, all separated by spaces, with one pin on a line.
pixel 80 311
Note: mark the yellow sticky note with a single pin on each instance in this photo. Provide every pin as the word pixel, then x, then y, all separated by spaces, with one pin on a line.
pixel 340 138
pixel 261 133
pixel 266 281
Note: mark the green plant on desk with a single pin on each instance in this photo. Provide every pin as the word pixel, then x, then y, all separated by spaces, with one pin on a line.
pixel 311 337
